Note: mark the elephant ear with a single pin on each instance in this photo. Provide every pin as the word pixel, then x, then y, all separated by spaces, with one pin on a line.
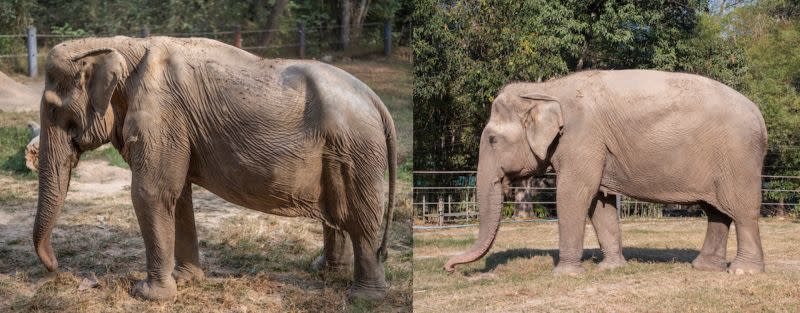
pixel 104 68
pixel 542 122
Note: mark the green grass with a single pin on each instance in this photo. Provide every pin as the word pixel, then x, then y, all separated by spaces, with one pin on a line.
pixel 444 242
pixel 107 153
pixel 12 151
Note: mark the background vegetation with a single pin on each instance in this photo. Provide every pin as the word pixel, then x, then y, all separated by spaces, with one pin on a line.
pixel 330 25
pixel 465 51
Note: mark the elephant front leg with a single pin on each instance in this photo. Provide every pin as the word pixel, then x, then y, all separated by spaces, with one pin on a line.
pixel 606 225
pixel 187 255
pixel 157 223
pixel 337 251
pixel 577 183
pixel 712 255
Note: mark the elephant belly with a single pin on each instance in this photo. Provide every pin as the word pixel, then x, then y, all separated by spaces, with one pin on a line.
pixel 670 184
pixel 289 189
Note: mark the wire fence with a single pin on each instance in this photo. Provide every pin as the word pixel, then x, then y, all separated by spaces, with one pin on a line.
pixel 21 51
pixel 448 199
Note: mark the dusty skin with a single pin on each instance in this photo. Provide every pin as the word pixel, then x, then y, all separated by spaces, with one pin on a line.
pixel 655 136
pixel 291 138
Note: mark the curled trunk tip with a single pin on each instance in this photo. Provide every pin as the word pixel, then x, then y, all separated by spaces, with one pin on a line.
pixel 490 198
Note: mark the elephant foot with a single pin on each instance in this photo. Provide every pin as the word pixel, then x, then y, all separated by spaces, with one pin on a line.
pixel 610 264
pixel 568 270
pixel 710 264
pixel 741 268
pixel 187 274
pixel 155 291
pixel 322 264
pixel 357 293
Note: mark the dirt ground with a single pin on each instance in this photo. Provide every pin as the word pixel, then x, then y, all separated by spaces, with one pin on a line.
pixel 254 262
pixel 20 96
pixel 515 276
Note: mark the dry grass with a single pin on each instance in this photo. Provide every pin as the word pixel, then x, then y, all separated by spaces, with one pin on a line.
pixel 515 275
pixel 254 262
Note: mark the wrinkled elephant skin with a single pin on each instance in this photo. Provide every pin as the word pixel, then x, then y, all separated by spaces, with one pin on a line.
pixel 655 136
pixel 286 137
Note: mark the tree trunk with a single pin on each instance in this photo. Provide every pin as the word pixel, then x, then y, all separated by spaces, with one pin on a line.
pixel 344 30
pixel 359 15
pixel 272 21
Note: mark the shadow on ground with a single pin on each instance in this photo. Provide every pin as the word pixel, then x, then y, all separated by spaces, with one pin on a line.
pixel 644 255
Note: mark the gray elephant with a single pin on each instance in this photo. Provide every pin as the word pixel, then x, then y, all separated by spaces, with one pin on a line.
pixel 655 136
pixel 291 138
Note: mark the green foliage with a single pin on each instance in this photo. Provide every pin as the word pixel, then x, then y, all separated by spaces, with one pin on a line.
pixel 465 51
pixel 769 33
pixel 13 141
pixel 15 16
pixel 540 211
pixel 68 30
pixel 508 210
pixel 106 153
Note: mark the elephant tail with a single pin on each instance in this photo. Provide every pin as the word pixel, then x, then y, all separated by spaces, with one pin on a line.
pixel 391 156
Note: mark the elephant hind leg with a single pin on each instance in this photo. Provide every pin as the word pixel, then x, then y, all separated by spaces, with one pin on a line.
pixel 369 280
pixel 749 255
pixel 187 254
pixel 742 202
pixel 712 255
pixel 337 251
pixel 606 225
pixel 365 201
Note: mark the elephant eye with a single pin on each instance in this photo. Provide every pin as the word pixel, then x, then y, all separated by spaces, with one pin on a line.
pixel 492 139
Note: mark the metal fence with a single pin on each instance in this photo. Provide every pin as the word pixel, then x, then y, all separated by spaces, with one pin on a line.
pixel 302 42
pixel 443 198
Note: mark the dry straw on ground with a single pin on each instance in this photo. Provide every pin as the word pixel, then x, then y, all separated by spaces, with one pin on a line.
pixel 515 275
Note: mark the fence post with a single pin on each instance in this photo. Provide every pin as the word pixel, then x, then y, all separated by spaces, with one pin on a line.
pixel 424 208
pixel 301 28
pixel 618 202
pixel 441 211
pixel 237 36
pixel 145 32
pixel 32 54
pixel 450 205
pixel 468 205
pixel 387 38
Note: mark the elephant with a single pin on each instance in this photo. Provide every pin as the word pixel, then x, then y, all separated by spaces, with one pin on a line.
pixel 285 137
pixel 655 136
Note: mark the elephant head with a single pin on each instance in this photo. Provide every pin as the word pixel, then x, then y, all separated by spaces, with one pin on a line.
pixel 516 143
pixel 75 117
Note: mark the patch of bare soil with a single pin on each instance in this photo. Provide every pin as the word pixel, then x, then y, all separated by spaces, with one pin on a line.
pixel 16 97
pixel 96 178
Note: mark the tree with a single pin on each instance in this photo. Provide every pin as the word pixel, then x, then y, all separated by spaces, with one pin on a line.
pixel 769 33
pixel 465 51
pixel 272 21
pixel 344 23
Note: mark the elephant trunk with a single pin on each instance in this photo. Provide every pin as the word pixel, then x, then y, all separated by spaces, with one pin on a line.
pixel 490 199
pixel 56 159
